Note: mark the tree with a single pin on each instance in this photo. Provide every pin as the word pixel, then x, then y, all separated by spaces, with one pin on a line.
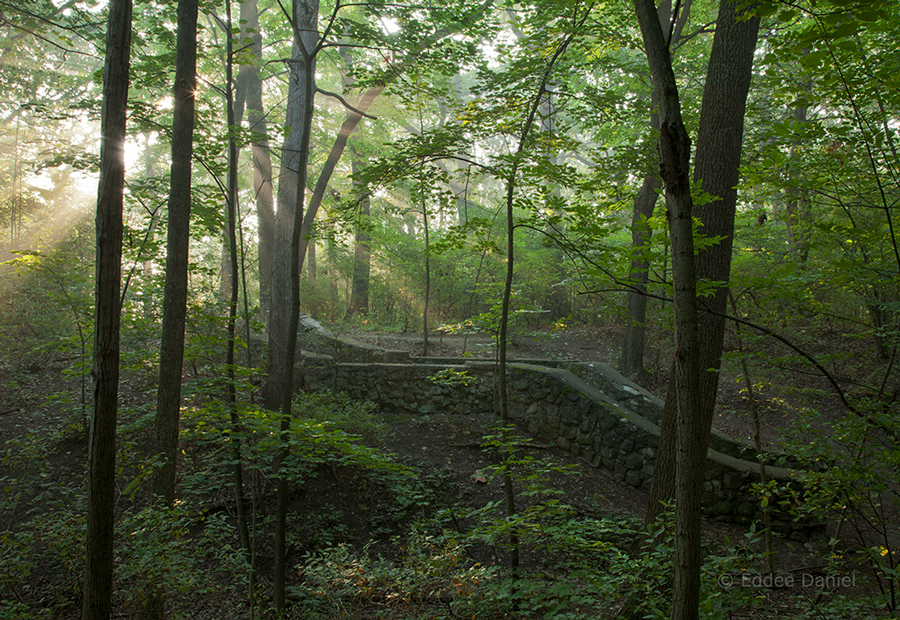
pixel 716 171
pixel 168 405
pixel 291 191
pixel 97 604
pixel 248 97
pixel 171 348
pixel 304 23
pixel 362 253
pixel 831 159
pixel 718 155
pixel 516 160
pixel 632 361
pixel 674 155
pixel 231 238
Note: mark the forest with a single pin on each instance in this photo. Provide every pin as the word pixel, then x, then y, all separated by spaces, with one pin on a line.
pixel 699 194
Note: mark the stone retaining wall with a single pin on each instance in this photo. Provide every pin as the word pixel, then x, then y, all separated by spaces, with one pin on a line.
pixel 602 417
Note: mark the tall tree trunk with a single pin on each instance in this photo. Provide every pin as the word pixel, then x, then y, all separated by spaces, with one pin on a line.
pixel 362 255
pixel 248 94
pixel 286 201
pixel 427 276
pixel 303 70
pixel 511 184
pixel 674 155
pixel 311 266
pixel 717 171
pixel 291 193
pixel 225 272
pixel 717 162
pixel 15 206
pixel 798 209
pixel 632 361
pixel 149 302
pixel 231 220
pixel 350 125
pixel 171 350
pixel 101 483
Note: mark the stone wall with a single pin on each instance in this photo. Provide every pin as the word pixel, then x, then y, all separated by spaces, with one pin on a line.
pixel 597 415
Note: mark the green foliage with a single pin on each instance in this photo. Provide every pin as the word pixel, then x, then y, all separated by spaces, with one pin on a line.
pixel 158 550
pixel 46 296
pixel 430 570
pixel 326 428
pixel 339 412
pixel 43 561
pixel 816 247
pixel 451 377
pixel 850 477
pixel 41 547
pixel 579 566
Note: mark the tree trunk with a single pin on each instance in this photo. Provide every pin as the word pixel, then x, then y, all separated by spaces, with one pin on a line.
pixel 303 69
pixel 168 403
pixel 349 126
pixel 249 94
pixel 101 483
pixel 311 266
pixel 291 189
pixel 674 155
pixel 225 272
pixel 427 271
pixel 717 161
pixel 287 193
pixel 15 208
pixel 502 390
pixel 798 209
pixel 280 283
pixel 231 220
pixel 632 363
pixel 171 347
pixel 362 255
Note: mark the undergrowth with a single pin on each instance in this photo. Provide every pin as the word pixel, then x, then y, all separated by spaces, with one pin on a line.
pixel 372 535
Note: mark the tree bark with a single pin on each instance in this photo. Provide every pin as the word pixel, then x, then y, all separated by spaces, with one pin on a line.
pixel 311 266
pixel 171 349
pixel 248 94
pixel 674 155
pixel 231 223
pixel 362 254
pixel 798 209
pixel 632 361
pixel 171 346
pixel 303 69
pixel 291 192
pixel 101 483
pixel 717 166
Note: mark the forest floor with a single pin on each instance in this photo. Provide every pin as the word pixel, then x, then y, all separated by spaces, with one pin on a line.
pixel 450 443
pixel 448 447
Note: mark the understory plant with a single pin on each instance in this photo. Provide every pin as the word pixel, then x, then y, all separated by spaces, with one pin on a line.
pixel 850 481
pixel 574 564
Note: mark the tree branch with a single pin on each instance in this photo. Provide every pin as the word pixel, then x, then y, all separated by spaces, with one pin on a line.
pixel 328 93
